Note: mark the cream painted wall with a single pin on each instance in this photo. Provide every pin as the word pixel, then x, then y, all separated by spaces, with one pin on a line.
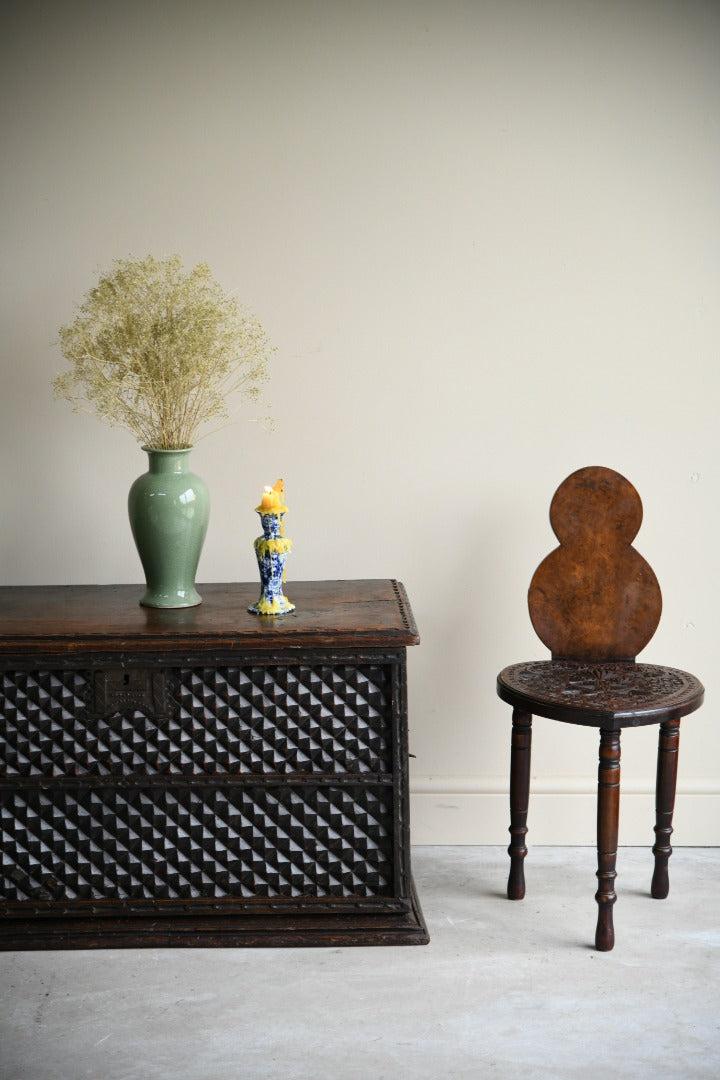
pixel 485 238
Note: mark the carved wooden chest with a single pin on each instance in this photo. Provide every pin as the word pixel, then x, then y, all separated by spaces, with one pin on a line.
pixel 205 777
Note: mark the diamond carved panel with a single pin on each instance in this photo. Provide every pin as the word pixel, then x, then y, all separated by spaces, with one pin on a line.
pixel 189 842
pixel 279 719
pixel 40 712
pixel 294 718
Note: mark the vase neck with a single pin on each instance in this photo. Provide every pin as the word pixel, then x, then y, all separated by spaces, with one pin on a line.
pixel 168 461
pixel 272 524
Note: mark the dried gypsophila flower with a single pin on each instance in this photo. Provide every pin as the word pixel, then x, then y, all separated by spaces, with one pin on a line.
pixel 158 351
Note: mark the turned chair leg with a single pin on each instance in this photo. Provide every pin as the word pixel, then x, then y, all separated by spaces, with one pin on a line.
pixel 519 798
pixel 667 765
pixel 608 815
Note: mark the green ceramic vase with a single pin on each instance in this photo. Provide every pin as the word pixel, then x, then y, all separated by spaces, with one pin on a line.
pixel 169 507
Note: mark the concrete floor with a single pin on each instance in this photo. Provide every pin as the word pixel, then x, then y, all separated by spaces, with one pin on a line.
pixel 504 990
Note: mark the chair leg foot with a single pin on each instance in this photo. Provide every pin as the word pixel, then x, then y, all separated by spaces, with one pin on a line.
pixel 660 886
pixel 667 764
pixel 516 880
pixel 519 798
pixel 605 930
pixel 608 816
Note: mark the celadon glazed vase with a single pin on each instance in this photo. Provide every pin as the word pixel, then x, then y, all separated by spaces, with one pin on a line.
pixel 169 507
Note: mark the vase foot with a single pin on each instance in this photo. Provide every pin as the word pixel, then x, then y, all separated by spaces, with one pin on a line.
pixel 277 606
pixel 191 598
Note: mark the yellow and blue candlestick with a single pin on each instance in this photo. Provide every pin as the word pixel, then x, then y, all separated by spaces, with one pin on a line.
pixel 272 549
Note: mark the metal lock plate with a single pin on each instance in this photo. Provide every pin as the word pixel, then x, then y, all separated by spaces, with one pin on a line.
pixel 122 690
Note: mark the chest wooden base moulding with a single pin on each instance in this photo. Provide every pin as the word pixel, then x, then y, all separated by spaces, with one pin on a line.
pixel 205 777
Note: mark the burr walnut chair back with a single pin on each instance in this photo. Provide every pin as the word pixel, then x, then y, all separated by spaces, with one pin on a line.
pixel 594 597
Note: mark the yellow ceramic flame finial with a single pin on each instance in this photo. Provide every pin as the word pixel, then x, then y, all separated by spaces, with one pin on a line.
pixel 273 499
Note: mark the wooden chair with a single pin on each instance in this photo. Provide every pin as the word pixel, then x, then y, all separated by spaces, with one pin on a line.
pixel 595 603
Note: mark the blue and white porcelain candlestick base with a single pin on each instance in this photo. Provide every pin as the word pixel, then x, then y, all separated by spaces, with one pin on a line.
pixel 272 549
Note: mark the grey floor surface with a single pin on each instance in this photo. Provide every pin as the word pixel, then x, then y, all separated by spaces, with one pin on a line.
pixel 504 990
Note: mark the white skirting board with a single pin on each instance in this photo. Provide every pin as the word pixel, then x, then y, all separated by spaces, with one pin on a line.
pixel 472 810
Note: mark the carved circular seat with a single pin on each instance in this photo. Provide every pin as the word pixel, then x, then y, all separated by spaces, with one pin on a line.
pixel 612 696
pixel 595 603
